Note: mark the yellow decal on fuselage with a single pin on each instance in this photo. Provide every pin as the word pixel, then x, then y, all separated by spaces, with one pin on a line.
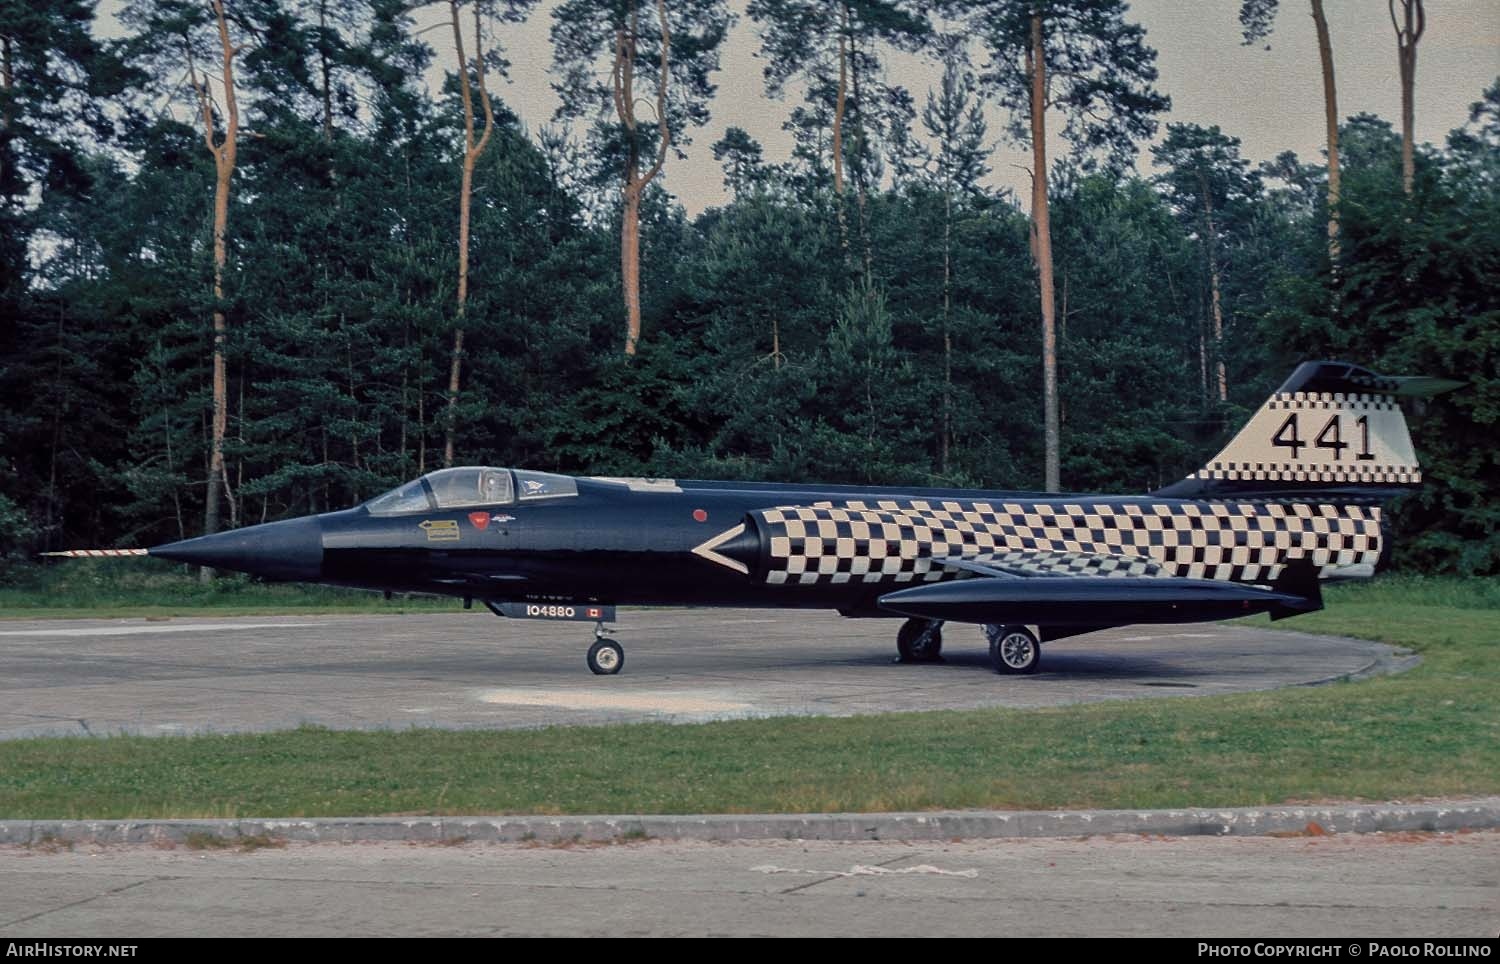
pixel 440 530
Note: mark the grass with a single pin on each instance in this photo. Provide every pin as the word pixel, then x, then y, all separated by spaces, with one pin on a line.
pixel 120 588
pixel 1432 732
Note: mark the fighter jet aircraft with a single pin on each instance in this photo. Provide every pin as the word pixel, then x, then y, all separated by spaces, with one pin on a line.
pixel 1293 499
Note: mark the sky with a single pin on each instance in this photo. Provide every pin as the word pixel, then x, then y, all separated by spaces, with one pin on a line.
pixel 1270 99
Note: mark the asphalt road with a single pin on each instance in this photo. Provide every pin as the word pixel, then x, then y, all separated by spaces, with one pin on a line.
pixel 1411 885
pixel 473 670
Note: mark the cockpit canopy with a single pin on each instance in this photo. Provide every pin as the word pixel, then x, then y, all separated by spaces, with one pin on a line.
pixel 471 486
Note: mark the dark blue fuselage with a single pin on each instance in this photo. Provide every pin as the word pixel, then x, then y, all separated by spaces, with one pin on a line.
pixel 609 544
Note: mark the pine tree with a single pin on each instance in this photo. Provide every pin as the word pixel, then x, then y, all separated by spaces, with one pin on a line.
pixel 512 11
pixel 1409 29
pixel 1211 187
pixel 610 55
pixel 172 36
pixel 1256 18
pixel 834 48
pixel 954 120
pixel 741 155
pixel 1079 56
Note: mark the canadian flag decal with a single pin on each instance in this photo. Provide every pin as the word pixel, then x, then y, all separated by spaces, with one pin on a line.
pixel 481 520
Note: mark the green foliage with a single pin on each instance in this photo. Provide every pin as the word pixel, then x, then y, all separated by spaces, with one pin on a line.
pixel 773 352
pixel 15 532
pixel 802 41
pixel 584 38
pixel 743 160
pixel 1418 293
pixel 118 588
pixel 1100 68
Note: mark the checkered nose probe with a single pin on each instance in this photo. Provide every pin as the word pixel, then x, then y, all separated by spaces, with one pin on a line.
pixel 289 550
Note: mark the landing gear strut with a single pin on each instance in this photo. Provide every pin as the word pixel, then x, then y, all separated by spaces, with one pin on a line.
pixel 606 657
pixel 1013 649
pixel 920 641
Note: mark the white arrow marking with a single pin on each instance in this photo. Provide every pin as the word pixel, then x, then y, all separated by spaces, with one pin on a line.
pixel 707 550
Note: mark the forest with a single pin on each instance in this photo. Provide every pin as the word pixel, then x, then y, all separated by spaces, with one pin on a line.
pixel 252 266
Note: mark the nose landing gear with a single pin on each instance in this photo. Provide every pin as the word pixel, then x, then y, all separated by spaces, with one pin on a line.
pixel 606 657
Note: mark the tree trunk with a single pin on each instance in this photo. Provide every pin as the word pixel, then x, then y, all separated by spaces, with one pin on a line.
pixel 1331 121
pixel 422 414
pixel 239 465
pixel 1202 355
pixel 455 366
pixel 635 182
pixel 839 100
pixel 630 266
pixel 353 400
pixel 325 70
pixel 1220 374
pixel 7 81
pixel 7 116
pixel 1216 301
pixel 59 395
pixel 224 162
pixel 861 186
pixel 472 151
pixel 1408 32
pixel 405 389
pixel 947 432
pixel 1041 244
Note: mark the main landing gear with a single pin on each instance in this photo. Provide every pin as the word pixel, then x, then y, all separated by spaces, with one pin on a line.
pixel 1013 649
pixel 606 657
pixel 920 641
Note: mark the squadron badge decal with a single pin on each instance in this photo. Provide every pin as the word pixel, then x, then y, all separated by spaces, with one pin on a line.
pixel 440 530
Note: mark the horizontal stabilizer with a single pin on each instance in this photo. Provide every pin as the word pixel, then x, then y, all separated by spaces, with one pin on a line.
pixel 1089 600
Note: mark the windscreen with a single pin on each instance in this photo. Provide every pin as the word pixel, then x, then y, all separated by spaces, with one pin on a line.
pixel 411 497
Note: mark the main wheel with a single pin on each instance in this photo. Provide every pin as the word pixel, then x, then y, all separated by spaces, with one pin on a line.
pixel 606 657
pixel 920 641
pixel 1013 649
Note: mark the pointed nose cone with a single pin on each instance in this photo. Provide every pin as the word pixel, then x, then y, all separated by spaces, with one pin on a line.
pixel 290 550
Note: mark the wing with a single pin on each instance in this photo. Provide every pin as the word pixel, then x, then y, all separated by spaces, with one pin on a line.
pixel 1061 589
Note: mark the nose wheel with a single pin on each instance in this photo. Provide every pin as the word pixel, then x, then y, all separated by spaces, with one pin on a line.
pixel 606 657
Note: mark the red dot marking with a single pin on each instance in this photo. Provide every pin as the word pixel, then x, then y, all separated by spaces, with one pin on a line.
pixel 700 515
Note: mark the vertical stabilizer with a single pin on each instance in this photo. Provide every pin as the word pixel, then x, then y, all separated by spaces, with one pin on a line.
pixel 1331 431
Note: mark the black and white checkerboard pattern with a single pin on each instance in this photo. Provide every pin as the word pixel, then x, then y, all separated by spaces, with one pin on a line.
pixel 1291 472
pixel 1071 564
pixel 905 541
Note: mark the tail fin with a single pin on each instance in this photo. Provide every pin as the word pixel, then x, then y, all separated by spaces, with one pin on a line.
pixel 1331 431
